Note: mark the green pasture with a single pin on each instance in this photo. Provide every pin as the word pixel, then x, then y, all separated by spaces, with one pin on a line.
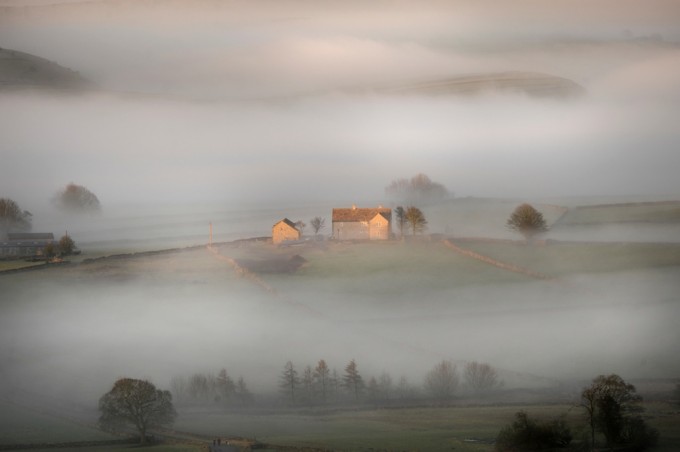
pixel 393 268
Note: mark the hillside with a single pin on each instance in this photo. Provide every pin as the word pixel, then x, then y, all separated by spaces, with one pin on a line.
pixel 530 83
pixel 22 70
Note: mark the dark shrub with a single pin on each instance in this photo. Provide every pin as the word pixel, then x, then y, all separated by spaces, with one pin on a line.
pixel 527 434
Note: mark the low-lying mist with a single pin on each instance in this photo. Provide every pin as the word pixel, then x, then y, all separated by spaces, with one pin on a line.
pixel 72 332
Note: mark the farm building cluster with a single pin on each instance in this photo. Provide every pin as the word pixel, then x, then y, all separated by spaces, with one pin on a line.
pixel 25 244
pixel 353 223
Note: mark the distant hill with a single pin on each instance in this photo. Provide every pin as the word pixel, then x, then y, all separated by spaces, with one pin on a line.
pixel 530 83
pixel 23 70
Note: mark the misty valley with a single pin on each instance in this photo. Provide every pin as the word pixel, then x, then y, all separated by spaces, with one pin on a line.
pixel 223 326
pixel 229 225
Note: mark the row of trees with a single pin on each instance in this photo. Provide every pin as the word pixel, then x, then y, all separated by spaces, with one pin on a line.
pixel 323 385
pixel 206 388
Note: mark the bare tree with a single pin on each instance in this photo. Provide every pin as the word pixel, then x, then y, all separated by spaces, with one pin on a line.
pixel 441 382
pixel 137 403
pixel 318 224
pixel 416 219
pixel 480 376
pixel 527 221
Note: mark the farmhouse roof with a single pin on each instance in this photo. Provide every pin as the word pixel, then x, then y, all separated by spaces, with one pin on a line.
pixel 288 222
pixel 351 214
pixel 12 236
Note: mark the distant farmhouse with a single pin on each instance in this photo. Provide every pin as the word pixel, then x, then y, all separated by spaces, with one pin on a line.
pixel 25 244
pixel 284 231
pixel 362 223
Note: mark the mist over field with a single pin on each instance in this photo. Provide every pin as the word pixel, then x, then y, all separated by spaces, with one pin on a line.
pixel 242 102
pixel 241 113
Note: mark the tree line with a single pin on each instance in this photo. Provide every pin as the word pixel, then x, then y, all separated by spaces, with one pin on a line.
pixel 321 385
pixel 207 388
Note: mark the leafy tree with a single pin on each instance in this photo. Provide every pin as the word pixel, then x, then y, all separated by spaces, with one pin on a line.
pixel 76 198
pixel 352 380
pixel 289 381
pixel 318 224
pixel 418 189
pixel 136 403
pixel 322 377
pixel 613 409
pixel 480 376
pixel 12 218
pixel 66 245
pixel 527 221
pixel 50 250
pixel 441 382
pixel 416 219
pixel 527 434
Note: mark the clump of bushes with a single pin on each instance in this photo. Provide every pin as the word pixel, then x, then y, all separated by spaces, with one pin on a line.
pixel 529 434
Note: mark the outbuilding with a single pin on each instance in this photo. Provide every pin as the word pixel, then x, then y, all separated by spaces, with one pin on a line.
pixel 284 231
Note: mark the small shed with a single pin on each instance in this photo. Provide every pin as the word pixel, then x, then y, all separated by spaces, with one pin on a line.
pixel 284 231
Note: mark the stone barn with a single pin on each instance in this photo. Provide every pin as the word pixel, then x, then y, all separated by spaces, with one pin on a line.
pixel 374 223
pixel 284 231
